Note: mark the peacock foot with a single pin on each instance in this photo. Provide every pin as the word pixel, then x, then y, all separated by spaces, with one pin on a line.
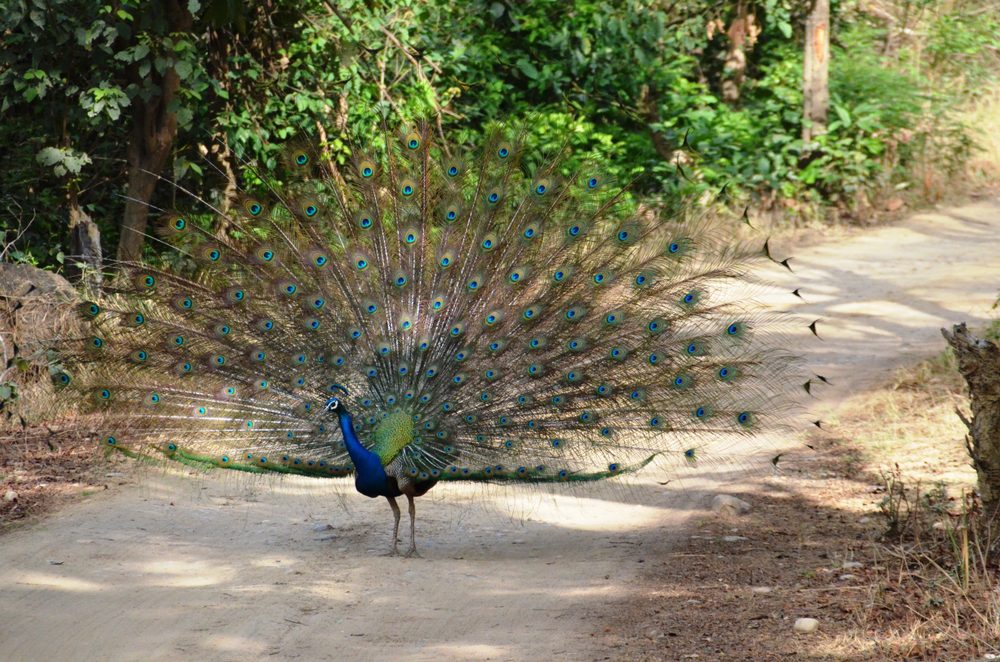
pixel 412 553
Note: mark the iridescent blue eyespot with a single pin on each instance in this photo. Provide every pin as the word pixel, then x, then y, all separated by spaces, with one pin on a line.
pixel 452 171
pixel 503 152
pixel 592 183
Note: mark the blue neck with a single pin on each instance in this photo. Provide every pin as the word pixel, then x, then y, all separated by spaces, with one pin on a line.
pixel 369 476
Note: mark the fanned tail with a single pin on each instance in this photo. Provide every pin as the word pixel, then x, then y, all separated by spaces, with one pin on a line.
pixel 481 319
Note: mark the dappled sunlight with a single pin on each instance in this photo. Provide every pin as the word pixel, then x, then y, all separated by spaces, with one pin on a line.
pixel 183 574
pixel 459 651
pixel 231 643
pixel 586 514
pixel 51 581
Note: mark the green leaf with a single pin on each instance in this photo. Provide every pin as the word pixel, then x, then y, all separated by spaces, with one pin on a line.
pixel 48 156
pixel 527 68
pixel 183 69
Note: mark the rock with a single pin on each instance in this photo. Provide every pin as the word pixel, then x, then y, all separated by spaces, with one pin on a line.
pixel 727 504
pixel 851 565
pixel 734 538
pixel 761 589
pixel 864 520
pixel 806 625
pixel 10 495
pixel 322 527
pixel 847 577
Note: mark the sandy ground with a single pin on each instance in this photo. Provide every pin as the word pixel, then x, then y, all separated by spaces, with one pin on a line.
pixel 170 565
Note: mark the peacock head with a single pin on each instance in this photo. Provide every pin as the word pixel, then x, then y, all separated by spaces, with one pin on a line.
pixel 334 405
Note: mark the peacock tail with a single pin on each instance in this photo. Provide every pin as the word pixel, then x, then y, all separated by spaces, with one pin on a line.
pixel 496 318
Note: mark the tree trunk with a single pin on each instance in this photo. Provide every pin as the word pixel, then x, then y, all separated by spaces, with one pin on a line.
pixel 979 363
pixel 816 71
pixel 649 106
pixel 85 241
pixel 742 34
pixel 154 127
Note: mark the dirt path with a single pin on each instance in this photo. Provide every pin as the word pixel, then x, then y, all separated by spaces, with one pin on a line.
pixel 215 567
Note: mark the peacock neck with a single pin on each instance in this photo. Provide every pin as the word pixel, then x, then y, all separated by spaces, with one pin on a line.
pixel 370 478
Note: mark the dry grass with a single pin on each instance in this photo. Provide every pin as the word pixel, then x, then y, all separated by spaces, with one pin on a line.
pixel 41 468
pixel 890 487
pixel 983 118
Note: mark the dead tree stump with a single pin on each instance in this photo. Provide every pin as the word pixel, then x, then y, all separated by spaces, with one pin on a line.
pixel 979 363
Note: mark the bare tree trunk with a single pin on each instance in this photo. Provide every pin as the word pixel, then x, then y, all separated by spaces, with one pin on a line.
pixel 650 109
pixel 979 363
pixel 742 34
pixel 816 71
pixel 154 127
pixel 85 239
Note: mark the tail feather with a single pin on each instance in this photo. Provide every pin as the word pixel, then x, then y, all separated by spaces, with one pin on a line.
pixel 535 319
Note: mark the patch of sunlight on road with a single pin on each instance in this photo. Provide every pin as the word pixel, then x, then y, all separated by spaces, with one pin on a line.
pixel 462 652
pixel 184 574
pixel 71 584
pixel 230 643
pixel 586 514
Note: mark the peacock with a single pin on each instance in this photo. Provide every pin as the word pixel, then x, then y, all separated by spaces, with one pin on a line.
pixel 407 316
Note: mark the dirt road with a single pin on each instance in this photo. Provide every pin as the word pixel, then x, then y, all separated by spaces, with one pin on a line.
pixel 177 566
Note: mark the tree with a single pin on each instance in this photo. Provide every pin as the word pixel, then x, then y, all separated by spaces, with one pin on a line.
pixel 979 363
pixel 816 70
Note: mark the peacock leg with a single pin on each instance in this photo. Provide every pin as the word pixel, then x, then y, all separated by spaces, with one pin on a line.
pixel 413 529
pixel 395 527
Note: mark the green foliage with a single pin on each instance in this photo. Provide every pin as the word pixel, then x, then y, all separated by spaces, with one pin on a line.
pixel 634 85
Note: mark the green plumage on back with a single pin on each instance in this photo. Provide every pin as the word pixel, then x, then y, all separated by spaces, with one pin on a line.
pixel 391 435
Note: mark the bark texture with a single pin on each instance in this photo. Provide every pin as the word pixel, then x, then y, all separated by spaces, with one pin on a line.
pixel 154 126
pixel 816 70
pixel 979 363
